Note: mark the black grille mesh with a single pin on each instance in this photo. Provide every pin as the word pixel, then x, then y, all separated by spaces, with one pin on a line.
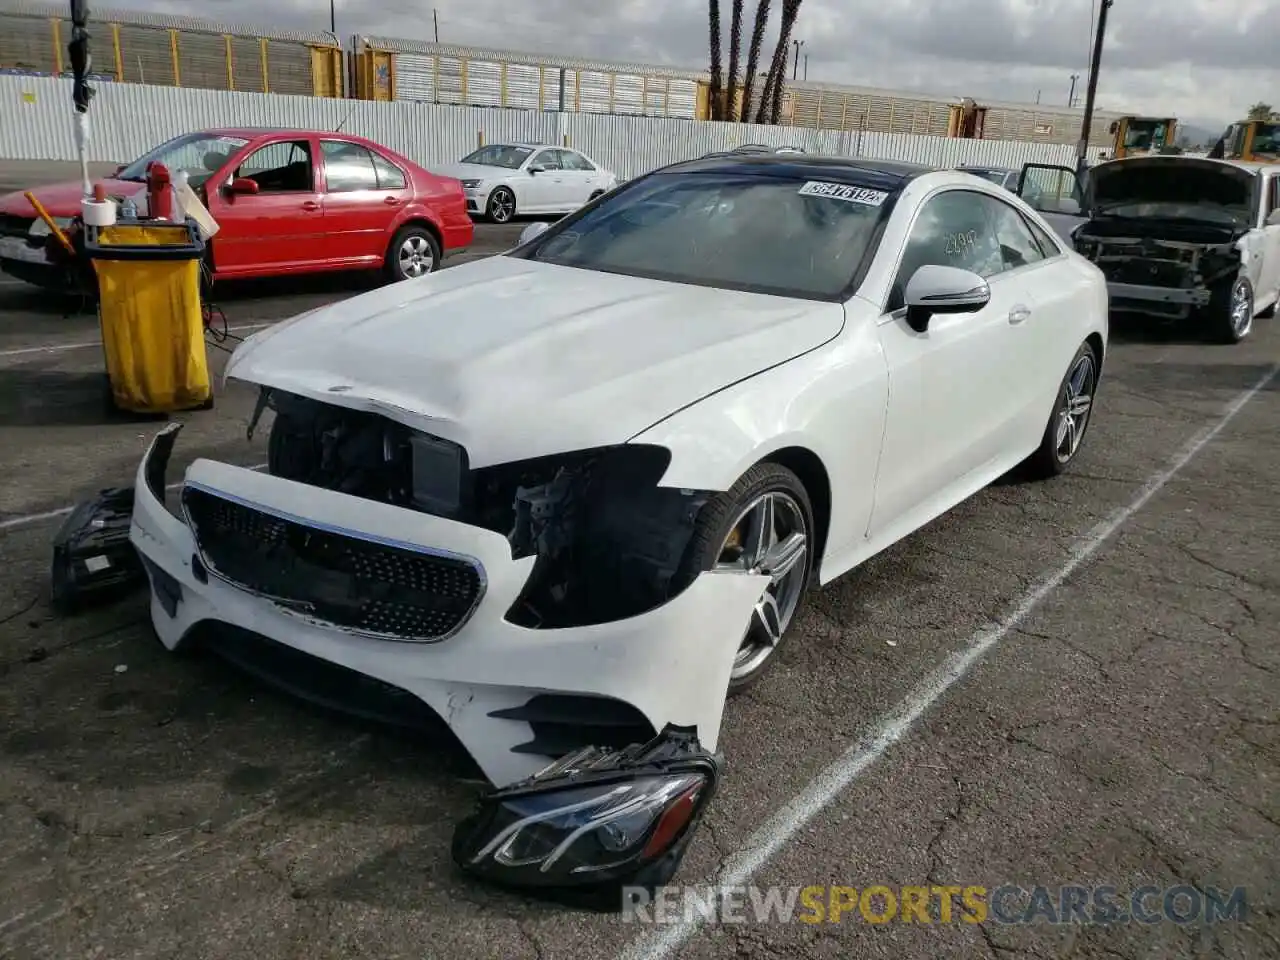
pixel 366 587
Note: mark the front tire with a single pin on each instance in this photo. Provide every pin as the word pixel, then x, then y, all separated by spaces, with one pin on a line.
pixel 1230 312
pixel 1072 413
pixel 501 206
pixel 764 523
pixel 414 252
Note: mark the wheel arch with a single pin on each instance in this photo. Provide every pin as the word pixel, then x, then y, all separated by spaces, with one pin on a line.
pixel 421 220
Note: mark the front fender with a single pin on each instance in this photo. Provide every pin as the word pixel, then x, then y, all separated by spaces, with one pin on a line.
pixel 830 402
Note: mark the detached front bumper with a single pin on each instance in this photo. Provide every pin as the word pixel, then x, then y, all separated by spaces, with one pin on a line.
pixel 492 682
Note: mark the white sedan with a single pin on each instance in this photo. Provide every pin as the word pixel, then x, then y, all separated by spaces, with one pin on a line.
pixel 576 492
pixel 504 180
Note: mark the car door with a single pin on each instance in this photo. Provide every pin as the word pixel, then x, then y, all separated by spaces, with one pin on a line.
pixel 545 187
pixel 1056 193
pixel 278 229
pixel 364 193
pixel 954 390
pixel 1269 284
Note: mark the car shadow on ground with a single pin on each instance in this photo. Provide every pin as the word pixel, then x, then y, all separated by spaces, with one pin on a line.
pixel 197 745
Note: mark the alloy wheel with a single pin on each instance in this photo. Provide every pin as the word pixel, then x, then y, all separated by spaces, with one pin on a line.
pixel 416 257
pixel 502 205
pixel 1241 308
pixel 771 537
pixel 1075 408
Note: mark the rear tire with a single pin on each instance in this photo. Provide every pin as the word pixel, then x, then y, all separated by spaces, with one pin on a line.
pixel 414 252
pixel 724 536
pixel 1072 414
pixel 1230 311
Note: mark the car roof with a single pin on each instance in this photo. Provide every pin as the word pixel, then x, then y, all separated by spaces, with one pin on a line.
pixel 858 171
pixel 979 166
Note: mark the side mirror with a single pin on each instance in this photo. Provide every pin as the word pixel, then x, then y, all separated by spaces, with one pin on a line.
pixel 533 231
pixel 937 289
pixel 243 185
pixel 536 168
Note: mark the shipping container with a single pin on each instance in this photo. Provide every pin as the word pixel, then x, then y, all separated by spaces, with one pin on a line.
pixel 391 69
pixel 163 50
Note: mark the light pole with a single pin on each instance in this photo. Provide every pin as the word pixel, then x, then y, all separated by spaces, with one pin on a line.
pixel 795 67
pixel 333 18
pixel 1091 92
pixel 1071 97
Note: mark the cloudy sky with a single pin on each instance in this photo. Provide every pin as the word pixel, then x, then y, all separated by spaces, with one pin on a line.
pixel 1204 61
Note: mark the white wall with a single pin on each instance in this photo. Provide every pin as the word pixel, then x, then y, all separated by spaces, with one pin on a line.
pixel 126 120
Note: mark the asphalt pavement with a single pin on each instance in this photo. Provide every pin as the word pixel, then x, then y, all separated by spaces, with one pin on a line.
pixel 1071 683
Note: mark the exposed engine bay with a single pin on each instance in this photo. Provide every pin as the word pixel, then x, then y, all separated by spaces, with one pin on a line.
pixel 610 543
pixel 1164 269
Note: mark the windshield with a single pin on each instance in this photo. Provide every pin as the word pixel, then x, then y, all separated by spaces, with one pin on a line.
pixel 199 155
pixel 1266 139
pixel 995 176
pixel 784 236
pixel 1146 134
pixel 499 155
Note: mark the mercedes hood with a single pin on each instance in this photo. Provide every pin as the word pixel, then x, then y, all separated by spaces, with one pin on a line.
pixel 1166 183
pixel 514 359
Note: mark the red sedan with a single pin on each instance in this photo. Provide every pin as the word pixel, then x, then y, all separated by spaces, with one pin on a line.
pixel 286 202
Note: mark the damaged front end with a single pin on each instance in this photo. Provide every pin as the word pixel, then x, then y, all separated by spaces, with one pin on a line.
pixel 1169 233
pixel 609 542
pixel 1160 269
pixel 594 822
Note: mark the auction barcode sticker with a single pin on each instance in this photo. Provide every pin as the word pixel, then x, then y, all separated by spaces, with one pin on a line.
pixel 842 191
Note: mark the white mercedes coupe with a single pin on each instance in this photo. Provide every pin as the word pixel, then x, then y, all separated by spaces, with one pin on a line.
pixel 570 494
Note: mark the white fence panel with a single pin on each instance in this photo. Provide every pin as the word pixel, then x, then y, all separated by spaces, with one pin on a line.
pixel 126 120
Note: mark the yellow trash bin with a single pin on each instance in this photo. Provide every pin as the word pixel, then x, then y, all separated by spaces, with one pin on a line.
pixel 149 308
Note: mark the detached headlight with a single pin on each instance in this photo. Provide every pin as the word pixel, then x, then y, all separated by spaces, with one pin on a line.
pixel 470 184
pixel 41 229
pixel 595 821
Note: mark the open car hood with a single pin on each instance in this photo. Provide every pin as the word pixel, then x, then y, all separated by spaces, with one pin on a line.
pixel 1171 180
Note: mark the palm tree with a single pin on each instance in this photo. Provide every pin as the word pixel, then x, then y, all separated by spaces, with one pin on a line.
pixel 735 47
pixel 778 66
pixel 716 107
pixel 790 11
pixel 753 55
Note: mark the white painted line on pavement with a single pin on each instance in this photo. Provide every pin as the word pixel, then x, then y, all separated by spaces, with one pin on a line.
pixel 61 347
pixel 13 523
pixel 787 822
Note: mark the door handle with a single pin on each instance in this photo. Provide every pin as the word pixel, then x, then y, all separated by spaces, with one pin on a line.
pixel 1019 314
pixel 391 201
pixel 310 205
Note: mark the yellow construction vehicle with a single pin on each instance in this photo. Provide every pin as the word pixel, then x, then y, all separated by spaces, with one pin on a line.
pixel 1140 136
pixel 1255 140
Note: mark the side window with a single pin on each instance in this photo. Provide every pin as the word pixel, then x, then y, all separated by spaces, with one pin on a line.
pixel 575 161
pixel 953 229
pixel 284 167
pixel 547 158
pixel 1048 244
pixel 390 177
pixel 1018 245
pixel 348 167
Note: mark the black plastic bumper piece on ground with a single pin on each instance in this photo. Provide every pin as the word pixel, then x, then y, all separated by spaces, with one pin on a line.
pixel 93 558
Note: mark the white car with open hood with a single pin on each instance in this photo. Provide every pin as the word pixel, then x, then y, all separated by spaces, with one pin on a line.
pixel 1177 237
pixel 574 493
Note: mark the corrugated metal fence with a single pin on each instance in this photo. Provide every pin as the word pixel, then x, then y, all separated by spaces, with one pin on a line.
pixel 128 119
